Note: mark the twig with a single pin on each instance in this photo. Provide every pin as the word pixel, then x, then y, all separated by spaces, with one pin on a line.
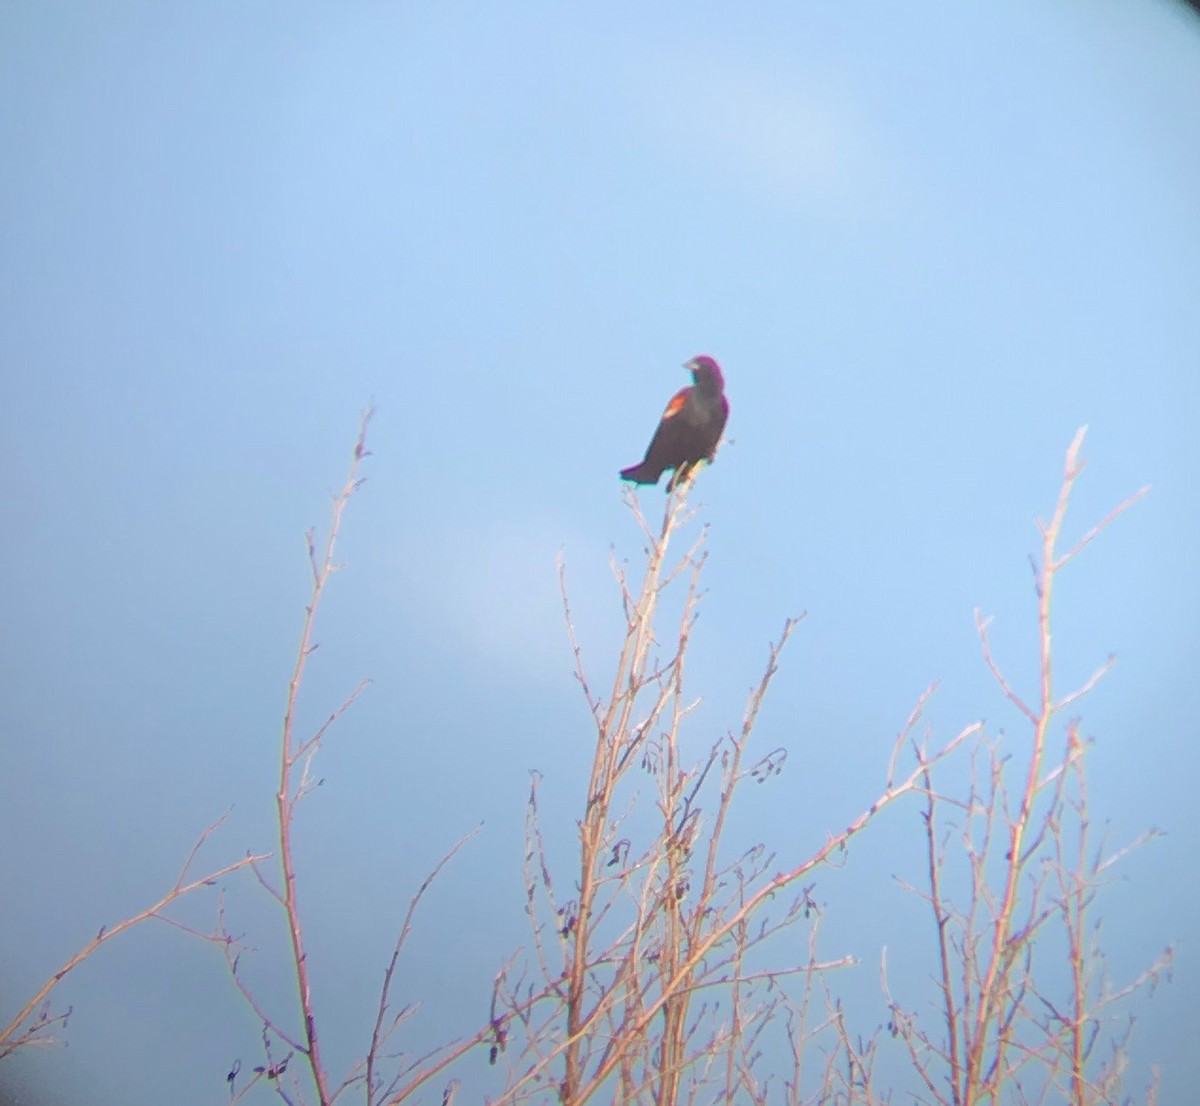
pixel 9 1038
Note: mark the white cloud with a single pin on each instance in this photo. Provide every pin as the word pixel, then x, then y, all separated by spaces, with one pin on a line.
pixel 491 590
pixel 777 131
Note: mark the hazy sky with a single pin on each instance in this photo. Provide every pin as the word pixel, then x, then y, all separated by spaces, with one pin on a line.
pixel 926 242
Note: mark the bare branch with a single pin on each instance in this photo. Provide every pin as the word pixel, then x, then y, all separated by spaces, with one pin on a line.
pixel 13 1037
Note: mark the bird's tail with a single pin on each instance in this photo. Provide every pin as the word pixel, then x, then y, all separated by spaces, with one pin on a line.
pixel 641 474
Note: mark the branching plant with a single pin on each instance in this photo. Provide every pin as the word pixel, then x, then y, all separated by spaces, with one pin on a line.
pixel 650 980
pixel 1025 1008
pixel 292 1062
pixel 668 966
pixel 37 1022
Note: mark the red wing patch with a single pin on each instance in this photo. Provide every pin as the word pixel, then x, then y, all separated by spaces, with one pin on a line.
pixel 677 403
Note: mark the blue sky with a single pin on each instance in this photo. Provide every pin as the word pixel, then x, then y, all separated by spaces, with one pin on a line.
pixel 925 242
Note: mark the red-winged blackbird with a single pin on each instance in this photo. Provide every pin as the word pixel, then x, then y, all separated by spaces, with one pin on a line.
pixel 690 428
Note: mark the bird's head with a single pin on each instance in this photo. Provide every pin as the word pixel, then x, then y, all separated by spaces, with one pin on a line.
pixel 706 373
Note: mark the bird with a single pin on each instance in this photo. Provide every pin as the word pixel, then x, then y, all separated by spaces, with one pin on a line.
pixel 689 429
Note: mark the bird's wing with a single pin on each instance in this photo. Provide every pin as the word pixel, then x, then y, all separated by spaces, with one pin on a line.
pixel 677 404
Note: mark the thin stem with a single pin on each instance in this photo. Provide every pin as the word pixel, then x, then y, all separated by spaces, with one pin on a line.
pixel 292 751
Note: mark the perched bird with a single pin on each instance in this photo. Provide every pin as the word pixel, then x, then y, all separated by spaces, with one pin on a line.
pixel 689 430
